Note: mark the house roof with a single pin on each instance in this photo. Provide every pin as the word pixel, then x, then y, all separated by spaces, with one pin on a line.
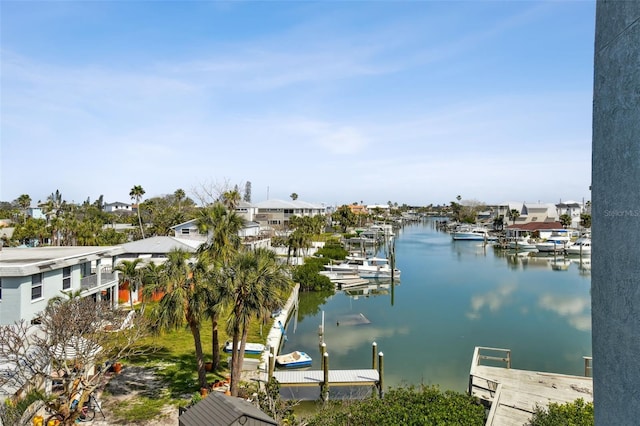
pixel 281 204
pixel 221 410
pixel 537 226
pixel 17 262
pixel 161 244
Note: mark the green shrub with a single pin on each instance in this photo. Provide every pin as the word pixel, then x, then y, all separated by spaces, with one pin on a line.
pixel 425 405
pixel 577 413
pixel 308 277
pixel 332 251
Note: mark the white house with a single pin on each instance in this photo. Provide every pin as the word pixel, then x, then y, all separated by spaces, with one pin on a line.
pixel 118 207
pixel 276 213
pixel 29 277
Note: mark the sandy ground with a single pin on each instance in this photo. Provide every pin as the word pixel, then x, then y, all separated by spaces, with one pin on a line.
pixel 131 382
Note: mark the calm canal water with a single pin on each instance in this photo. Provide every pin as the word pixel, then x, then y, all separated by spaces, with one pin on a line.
pixel 453 296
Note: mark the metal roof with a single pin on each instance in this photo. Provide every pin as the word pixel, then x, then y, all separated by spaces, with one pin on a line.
pixel 16 262
pixel 281 204
pixel 221 410
pixel 161 244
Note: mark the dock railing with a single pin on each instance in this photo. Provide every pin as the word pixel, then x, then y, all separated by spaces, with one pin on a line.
pixel 479 385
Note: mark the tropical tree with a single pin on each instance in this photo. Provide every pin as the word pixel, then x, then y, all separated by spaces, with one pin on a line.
pixel 345 217
pixel 24 202
pixel 222 227
pixel 565 220
pixel 585 220
pixel 247 192
pixel 498 223
pixel 293 196
pixel 184 301
pixel 230 199
pixel 255 284
pixel 130 275
pixel 136 194
pixel 513 215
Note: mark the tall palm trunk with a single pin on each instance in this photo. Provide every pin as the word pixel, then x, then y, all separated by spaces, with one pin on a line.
pixel 215 343
pixel 202 375
pixel 235 361
pixel 140 221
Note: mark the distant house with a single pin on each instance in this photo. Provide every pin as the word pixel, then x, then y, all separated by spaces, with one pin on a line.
pixel 358 209
pixel 118 207
pixel 572 208
pixel 276 213
pixel 251 233
pixel 542 229
pixel 222 410
pixel 29 277
pixel 529 212
pixel 247 211
pixel 36 213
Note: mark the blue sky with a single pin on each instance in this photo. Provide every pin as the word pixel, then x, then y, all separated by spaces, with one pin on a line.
pixel 339 101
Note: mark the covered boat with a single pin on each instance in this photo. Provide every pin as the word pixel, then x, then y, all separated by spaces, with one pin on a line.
pixel 295 359
pixel 249 348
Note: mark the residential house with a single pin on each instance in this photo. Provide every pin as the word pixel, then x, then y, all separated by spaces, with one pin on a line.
pixel 542 230
pixel 572 208
pixel 30 277
pixel 153 249
pixel 251 234
pixel 36 213
pixel 118 207
pixel 276 213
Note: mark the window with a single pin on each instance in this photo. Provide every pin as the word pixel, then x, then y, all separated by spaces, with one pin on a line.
pixel 36 286
pixel 185 231
pixel 66 278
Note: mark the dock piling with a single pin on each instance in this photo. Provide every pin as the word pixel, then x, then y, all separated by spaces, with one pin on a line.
pixel 325 384
pixel 374 350
pixel 380 374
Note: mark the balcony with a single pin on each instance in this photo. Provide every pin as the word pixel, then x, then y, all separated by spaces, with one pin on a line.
pixel 91 281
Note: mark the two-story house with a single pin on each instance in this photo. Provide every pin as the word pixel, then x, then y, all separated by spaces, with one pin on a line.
pixel 30 277
pixel 276 213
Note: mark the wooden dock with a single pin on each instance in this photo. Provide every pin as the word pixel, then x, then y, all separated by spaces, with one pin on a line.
pixel 336 377
pixel 514 394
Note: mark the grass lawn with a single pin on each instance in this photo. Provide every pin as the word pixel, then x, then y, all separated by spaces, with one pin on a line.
pixel 172 355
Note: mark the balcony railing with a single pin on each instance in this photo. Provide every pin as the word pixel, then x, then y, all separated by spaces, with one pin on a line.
pixel 92 280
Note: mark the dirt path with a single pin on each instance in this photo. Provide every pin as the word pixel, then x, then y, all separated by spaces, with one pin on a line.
pixel 127 386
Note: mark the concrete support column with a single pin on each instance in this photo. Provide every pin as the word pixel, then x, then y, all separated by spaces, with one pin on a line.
pixel 615 275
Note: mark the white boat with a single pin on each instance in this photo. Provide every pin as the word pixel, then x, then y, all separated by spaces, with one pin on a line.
pixel 474 234
pixel 249 348
pixel 581 247
pixel 552 246
pixel 522 244
pixel 365 267
pixel 295 359
pixel 556 242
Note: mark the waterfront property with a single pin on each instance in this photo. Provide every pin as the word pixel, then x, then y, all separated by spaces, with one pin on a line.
pixel 30 277
pixel 454 296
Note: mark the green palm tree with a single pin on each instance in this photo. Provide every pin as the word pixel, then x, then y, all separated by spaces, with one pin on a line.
pixel 24 202
pixel 131 275
pixel 136 194
pixel 513 215
pixel 223 242
pixel 255 285
pixel 184 300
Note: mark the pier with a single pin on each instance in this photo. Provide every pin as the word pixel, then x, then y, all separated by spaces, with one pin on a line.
pixel 514 394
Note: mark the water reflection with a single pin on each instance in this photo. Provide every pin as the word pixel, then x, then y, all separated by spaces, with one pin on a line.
pixel 493 300
pixel 577 310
